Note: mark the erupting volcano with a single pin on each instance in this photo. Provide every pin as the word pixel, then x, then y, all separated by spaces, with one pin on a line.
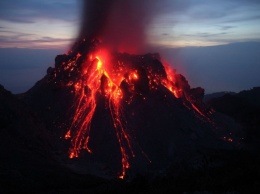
pixel 129 112
pixel 112 116
pixel 118 80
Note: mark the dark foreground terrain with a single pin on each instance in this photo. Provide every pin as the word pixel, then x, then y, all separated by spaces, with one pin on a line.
pixel 28 163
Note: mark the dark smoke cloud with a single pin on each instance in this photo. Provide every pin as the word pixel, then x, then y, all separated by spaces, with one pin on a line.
pixel 120 24
pixel 94 17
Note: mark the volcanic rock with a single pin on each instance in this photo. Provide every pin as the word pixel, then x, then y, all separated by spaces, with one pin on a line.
pixel 162 122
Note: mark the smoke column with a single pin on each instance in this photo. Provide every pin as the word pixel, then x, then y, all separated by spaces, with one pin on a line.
pixel 120 24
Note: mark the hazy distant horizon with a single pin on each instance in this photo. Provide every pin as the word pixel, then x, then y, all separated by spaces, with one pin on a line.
pixel 233 67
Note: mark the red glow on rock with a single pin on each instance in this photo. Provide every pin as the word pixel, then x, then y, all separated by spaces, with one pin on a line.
pixel 101 75
pixel 85 99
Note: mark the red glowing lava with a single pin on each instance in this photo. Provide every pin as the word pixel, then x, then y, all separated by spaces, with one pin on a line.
pixel 100 75
pixel 94 68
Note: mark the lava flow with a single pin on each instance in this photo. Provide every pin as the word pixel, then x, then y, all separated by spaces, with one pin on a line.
pixel 86 89
pixel 118 78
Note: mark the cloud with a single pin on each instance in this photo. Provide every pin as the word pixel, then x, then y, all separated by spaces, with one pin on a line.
pixel 243 19
pixel 27 40
pixel 28 11
pixel 223 11
pixel 15 39
pixel 205 34
pixel 12 34
pixel 165 34
pixel 225 28
pixel 27 22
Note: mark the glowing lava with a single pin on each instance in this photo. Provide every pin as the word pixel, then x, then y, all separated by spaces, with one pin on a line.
pixel 98 74
pixel 86 90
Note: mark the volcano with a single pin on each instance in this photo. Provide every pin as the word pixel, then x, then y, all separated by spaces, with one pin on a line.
pixel 117 114
pixel 107 118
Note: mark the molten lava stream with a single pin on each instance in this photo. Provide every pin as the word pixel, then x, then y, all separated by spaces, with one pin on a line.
pixel 122 136
pixel 85 108
pixel 115 96
pixel 86 105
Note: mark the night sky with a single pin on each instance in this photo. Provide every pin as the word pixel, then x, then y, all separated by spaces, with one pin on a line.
pixel 215 44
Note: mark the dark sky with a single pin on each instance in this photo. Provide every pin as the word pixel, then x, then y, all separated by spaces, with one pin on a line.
pixel 51 26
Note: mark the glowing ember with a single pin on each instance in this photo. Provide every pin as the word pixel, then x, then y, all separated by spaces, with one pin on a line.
pixel 99 73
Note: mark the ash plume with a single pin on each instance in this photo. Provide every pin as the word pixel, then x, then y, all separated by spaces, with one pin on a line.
pixel 120 24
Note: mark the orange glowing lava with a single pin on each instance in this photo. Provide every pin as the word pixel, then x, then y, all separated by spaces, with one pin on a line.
pixel 98 75
pixel 85 97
